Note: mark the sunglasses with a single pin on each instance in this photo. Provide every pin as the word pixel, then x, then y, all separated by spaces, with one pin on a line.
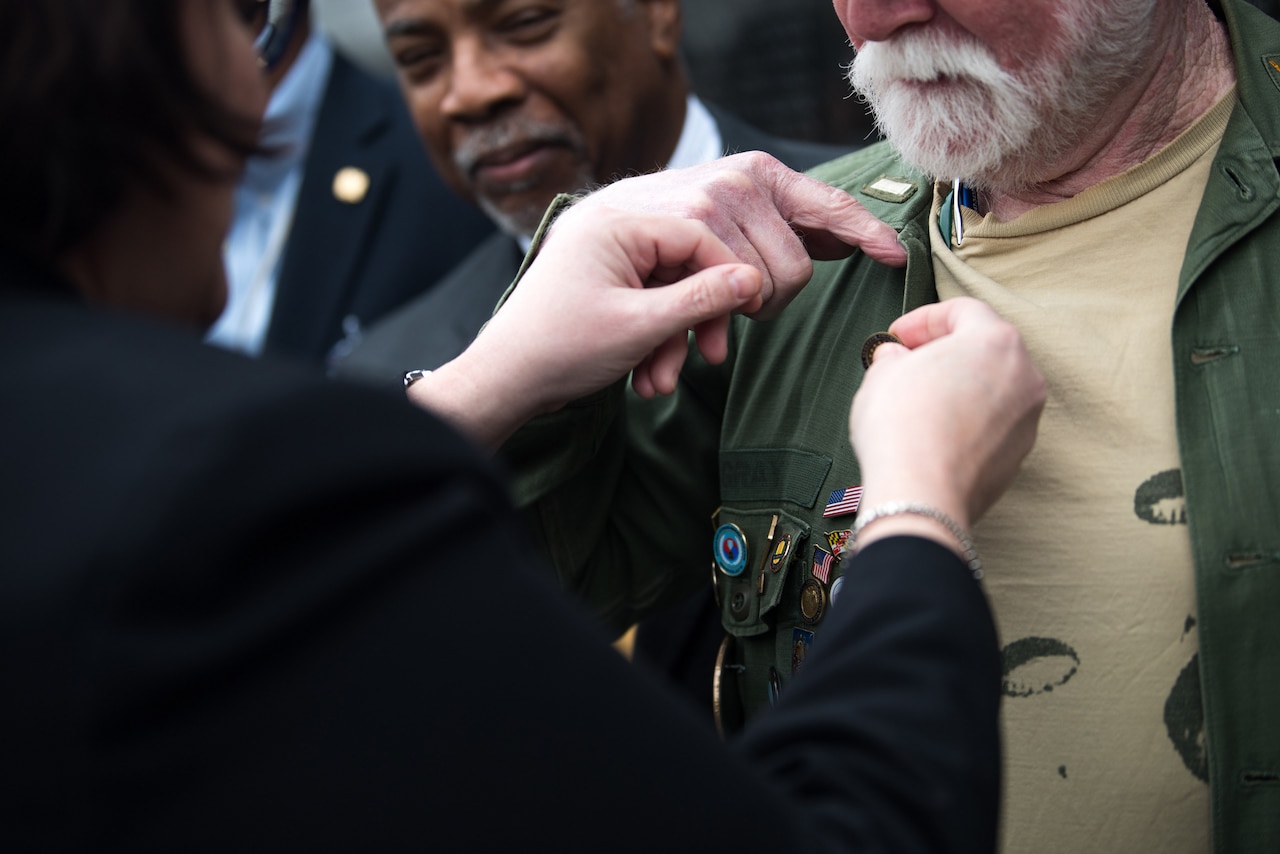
pixel 273 22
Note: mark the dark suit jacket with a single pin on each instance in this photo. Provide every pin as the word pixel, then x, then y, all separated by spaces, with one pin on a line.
pixel 362 260
pixel 246 609
pixel 439 325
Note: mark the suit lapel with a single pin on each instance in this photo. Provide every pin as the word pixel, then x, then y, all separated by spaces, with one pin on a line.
pixel 331 234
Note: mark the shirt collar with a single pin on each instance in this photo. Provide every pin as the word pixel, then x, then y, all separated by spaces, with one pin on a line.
pixel 700 140
pixel 291 115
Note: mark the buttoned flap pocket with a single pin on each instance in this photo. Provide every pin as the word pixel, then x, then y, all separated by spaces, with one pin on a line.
pixel 753 551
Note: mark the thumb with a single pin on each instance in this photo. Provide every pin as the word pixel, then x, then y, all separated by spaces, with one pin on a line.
pixel 708 294
pixel 702 301
pixel 930 322
pixel 887 352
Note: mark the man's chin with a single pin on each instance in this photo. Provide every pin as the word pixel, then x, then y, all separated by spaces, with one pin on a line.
pixel 957 138
pixel 518 218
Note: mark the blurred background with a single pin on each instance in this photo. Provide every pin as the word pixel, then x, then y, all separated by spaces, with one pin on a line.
pixel 774 64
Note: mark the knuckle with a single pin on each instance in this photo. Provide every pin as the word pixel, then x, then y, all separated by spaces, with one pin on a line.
pixel 702 207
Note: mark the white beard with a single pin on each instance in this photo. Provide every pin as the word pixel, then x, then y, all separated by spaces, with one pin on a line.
pixel 952 111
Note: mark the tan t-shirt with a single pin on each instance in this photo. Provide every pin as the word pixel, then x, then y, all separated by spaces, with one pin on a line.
pixel 1088 557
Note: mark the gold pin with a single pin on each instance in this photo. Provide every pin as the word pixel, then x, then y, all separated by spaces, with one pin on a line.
pixel 813 601
pixel 351 185
pixel 768 546
pixel 890 189
pixel 768 549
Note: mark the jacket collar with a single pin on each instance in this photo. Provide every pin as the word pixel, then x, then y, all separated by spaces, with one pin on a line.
pixel 1255 45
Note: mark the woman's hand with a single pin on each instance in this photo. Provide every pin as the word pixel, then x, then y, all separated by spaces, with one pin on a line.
pixel 947 417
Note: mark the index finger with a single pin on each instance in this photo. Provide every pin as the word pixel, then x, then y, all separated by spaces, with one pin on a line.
pixel 819 210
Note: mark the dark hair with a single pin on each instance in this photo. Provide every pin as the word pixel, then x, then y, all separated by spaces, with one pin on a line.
pixel 94 96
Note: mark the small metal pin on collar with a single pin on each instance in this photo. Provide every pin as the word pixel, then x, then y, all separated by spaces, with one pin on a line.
pixel 960 196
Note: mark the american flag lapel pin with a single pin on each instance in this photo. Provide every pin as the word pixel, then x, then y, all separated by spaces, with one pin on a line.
pixel 843 501
pixel 823 560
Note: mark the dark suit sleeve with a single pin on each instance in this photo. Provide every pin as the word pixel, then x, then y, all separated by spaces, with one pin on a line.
pixel 325 635
pixel 888 738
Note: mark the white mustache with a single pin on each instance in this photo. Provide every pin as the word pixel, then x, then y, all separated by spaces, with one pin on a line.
pixel 485 141
pixel 923 56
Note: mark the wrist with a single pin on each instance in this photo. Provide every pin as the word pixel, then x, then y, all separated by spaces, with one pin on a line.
pixel 478 406
pixel 919 519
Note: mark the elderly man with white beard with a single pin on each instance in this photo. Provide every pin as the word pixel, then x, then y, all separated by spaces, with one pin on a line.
pixel 1103 173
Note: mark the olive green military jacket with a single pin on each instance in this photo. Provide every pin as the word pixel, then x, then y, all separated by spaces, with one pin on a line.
pixel 626 494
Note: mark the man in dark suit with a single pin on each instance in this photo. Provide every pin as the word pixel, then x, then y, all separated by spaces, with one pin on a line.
pixel 582 95
pixel 343 219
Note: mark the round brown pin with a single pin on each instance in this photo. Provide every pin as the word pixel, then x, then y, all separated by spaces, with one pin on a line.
pixel 813 601
pixel 873 341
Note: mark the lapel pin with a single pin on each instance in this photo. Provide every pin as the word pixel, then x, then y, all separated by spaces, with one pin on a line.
pixel 780 552
pixel 813 601
pixel 836 587
pixel 801 640
pixel 729 547
pixel 839 541
pixel 889 189
pixel 842 502
pixel 873 342
pixel 351 185
pixel 823 560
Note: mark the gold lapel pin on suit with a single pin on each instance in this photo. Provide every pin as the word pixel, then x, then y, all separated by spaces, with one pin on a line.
pixel 351 185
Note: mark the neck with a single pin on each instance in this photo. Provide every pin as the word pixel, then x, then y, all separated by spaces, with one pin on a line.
pixel 655 147
pixel 1190 71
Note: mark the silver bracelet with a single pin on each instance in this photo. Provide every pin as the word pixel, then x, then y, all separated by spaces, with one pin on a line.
pixel 916 508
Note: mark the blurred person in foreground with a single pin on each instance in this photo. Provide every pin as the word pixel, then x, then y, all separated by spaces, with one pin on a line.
pixel 342 218
pixel 221 578
pixel 1102 173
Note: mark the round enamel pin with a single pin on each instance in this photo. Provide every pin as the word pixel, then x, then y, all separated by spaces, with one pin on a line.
pixel 836 587
pixel 730 546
